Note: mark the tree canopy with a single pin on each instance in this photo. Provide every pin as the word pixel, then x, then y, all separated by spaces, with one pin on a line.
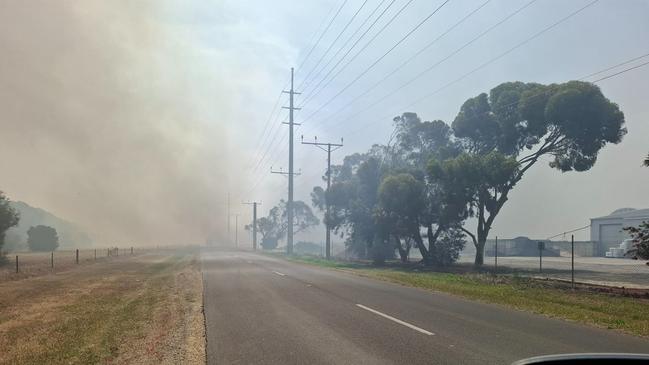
pixel 381 199
pixel 431 177
pixel 274 226
pixel 505 133
pixel 42 238
pixel 9 217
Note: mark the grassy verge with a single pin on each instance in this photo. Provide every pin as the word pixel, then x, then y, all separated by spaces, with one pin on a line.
pixel 134 311
pixel 555 300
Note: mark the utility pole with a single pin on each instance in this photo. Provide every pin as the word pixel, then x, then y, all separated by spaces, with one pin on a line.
pixel 228 214
pixel 289 207
pixel 236 230
pixel 328 150
pixel 289 204
pixel 254 223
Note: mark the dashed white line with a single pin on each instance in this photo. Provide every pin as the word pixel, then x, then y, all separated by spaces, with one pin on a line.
pixel 279 273
pixel 396 320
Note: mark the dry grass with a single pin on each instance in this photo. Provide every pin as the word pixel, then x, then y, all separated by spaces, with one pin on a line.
pixel 141 310
pixel 31 264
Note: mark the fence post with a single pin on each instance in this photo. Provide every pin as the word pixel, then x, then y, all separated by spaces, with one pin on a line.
pixel 541 246
pixel 77 256
pixel 116 251
pixel 572 260
pixel 52 260
pixel 131 250
pixel 16 264
pixel 95 254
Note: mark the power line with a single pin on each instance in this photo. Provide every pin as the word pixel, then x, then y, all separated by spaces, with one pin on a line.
pixel 616 66
pixel 547 91
pixel 322 35
pixel 364 72
pixel 262 137
pixel 351 48
pixel 266 136
pixel 494 59
pixel 358 29
pixel 332 44
pixel 403 64
pixel 564 233
pixel 621 72
pixel 358 53
pixel 270 145
pixel 446 58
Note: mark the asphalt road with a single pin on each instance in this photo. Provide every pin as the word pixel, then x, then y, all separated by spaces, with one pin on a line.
pixel 262 310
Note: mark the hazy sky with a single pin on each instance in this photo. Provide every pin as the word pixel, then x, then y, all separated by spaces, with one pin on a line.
pixel 135 118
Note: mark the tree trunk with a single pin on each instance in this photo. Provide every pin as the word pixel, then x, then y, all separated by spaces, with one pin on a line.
pixel 403 252
pixel 422 249
pixel 479 253
pixel 431 243
pixel 378 254
pixel 425 254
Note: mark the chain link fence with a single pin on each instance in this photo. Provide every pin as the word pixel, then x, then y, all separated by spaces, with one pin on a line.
pixel 562 261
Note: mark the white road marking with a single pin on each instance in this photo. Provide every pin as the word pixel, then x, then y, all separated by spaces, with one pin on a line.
pixel 279 273
pixel 396 320
pixel 248 261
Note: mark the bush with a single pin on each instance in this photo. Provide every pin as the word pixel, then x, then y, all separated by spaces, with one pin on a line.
pixel 307 248
pixel 640 236
pixel 448 247
pixel 269 243
pixel 42 238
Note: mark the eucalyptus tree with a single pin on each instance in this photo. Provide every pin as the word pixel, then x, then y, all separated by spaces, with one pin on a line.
pixel 505 133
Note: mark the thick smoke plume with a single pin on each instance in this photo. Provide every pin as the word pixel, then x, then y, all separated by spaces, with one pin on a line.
pixel 113 119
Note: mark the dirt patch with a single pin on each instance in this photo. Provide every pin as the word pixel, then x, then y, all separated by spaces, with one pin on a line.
pixel 139 310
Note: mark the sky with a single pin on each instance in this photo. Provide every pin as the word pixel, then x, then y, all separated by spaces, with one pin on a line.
pixel 136 119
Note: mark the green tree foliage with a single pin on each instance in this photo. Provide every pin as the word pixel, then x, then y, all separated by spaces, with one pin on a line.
pixel 9 217
pixel 416 143
pixel 382 199
pixel 401 206
pixel 353 200
pixel 505 133
pixel 266 228
pixel 448 246
pixel 274 226
pixel 42 238
pixel 640 236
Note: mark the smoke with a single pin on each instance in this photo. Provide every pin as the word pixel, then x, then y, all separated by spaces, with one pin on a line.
pixel 115 119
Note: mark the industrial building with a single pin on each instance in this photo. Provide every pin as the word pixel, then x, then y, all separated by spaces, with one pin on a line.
pixel 607 231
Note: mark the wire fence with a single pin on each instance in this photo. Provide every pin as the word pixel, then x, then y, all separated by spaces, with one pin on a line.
pixel 573 262
pixel 20 265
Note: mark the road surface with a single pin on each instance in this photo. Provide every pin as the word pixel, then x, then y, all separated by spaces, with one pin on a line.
pixel 263 310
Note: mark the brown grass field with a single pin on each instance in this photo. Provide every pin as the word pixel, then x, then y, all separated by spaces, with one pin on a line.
pixel 142 309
